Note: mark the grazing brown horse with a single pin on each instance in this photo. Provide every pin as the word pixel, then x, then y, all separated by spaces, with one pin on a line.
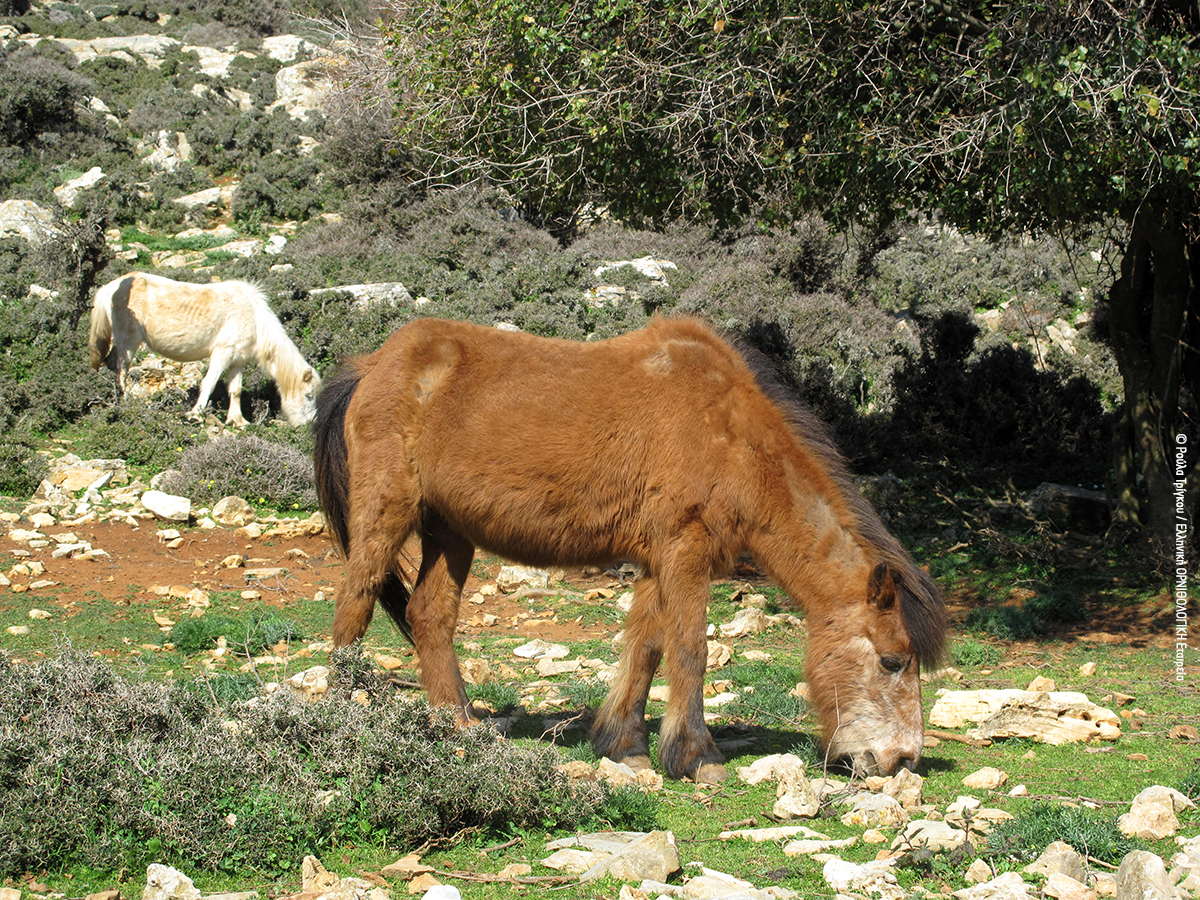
pixel 660 446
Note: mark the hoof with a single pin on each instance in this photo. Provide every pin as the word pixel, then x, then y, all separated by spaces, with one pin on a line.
pixel 711 773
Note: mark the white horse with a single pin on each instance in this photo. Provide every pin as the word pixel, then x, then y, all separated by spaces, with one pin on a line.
pixel 227 322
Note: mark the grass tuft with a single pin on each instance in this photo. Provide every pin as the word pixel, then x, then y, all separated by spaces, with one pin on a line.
pixel 1090 832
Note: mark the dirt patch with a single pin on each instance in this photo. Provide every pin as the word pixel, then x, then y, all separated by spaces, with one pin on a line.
pixel 138 562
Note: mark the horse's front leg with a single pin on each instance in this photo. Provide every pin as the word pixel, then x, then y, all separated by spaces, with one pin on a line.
pixel 234 383
pixel 619 730
pixel 686 747
pixel 433 614
pixel 216 368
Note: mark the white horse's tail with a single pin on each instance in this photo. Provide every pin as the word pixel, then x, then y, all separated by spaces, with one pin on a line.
pixel 100 334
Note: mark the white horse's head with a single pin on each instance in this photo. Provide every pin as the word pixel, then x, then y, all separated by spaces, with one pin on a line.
pixel 300 404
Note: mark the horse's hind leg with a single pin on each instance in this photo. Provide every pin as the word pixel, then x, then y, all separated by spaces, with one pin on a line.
pixel 619 730
pixel 433 612
pixel 383 511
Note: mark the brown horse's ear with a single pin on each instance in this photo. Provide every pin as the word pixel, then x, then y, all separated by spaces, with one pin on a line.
pixel 882 588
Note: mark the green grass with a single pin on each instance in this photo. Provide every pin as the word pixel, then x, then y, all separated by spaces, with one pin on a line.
pixel 1097 778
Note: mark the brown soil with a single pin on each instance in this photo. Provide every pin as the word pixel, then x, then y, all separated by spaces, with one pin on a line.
pixel 138 561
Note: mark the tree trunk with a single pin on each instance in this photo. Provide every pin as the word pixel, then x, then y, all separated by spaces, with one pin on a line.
pixel 1148 318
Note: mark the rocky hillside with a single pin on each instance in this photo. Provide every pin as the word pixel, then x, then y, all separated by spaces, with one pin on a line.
pixel 215 139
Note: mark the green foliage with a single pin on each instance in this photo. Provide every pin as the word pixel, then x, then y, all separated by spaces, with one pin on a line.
pixel 1008 623
pixel 663 107
pixel 153 434
pixel 1059 607
pixel 630 808
pixel 22 468
pixel 262 471
pixel 584 693
pixel 1190 784
pixel 250 636
pixel 44 379
pixel 37 94
pixel 972 654
pixel 1091 832
pixel 104 772
pixel 500 697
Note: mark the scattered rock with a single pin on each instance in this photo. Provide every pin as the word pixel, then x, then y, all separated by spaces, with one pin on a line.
pixel 772 835
pixel 539 649
pixel 312 684
pixel 795 796
pixel 406 868
pixel 986 779
pixel 233 512
pixel 652 856
pixel 165 883
pixel 1059 858
pixel 68 192
pixel 1143 876
pixel 1008 886
pixel 1064 887
pixel 874 878
pixel 1151 816
pixel 511 578
pixel 27 220
pixel 907 787
pixel 167 506
pixel 1053 717
pixel 367 295
pixel 745 622
pixel 978 872
pixel 930 835
pixel 876 811
pixel 770 768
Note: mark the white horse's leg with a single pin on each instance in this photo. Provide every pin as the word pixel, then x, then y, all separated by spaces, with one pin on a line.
pixel 234 383
pixel 216 368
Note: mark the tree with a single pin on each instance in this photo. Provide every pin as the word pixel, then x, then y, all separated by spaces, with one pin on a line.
pixel 1007 117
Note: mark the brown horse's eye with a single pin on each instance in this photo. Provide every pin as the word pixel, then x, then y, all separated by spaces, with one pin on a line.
pixel 892 663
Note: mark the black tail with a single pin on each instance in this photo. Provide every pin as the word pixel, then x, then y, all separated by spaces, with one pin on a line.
pixel 332 473
pixel 331 468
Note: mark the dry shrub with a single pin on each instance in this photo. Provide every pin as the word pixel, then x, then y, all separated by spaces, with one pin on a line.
pixel 274 474
pixel 110 773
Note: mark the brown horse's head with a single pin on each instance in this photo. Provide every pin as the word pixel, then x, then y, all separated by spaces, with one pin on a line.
pixel 864 670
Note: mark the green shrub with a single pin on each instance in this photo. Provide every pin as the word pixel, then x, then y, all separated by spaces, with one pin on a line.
pixel 1090 832
pixel 1057 607
pixel 37 94
pixel 1190 784
pixel 971 654
pixel 1009 623
pixel 193 635
pixel 252 636
pixel 22 468
pixel 630 808
pixel 263 471
pixel 103 772
pixel 152 434
pixel 45 382
pixel 501 698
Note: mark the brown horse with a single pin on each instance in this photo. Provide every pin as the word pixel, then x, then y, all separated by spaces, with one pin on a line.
pixel 660 446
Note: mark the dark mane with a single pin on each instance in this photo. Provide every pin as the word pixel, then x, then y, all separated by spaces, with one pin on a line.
pixel 922 606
